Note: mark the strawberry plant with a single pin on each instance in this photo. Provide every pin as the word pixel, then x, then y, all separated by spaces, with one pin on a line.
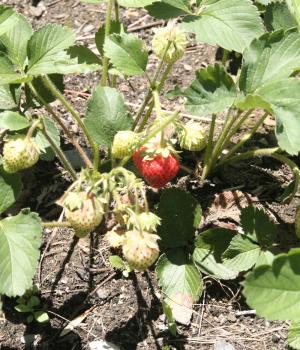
pixel 32 69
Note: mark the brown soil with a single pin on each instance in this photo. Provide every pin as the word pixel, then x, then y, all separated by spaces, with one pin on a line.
pixel 78 280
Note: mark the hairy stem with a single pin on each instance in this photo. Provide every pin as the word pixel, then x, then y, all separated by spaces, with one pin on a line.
pixel 56 224
pixel 245 138
pixel 159 88
pixel 209 147
pixel 153 85
pixel 107 32
pixel 48 83
pixel 79 149
pixel 60 155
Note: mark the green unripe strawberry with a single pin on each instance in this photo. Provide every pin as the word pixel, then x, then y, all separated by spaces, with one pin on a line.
pixel 123 144
pixel 145 221
pixel 297 222
pixel 19 153
pixel 84 212
pixel 140 249
pixel 177 40
pixel 192 137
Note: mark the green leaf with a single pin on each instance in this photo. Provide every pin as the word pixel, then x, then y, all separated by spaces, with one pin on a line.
pixel 278 16
pixel 274 290
pixel 294 6
pixel 257 225
pixel 8 19
pixel 231 24
pixel 46 46
pixel 10 188
pixel 7 72
pixel 7 97
pixel 180 215
pixel 211 92
pixel 22 308
pixel 252 101
pixel 171 322
pixel 33 301
pixel 242 254
pixel 166 9
pixel 116 262
pixel 135 3
pixel 44 145
pixel 13 121
pixel 106 115
pixel 209 247
pixel 15 41
pixel 283 97
pixel 294 335
pixel 180 282
pixel 272 57
pixel 20 240
pixel 127 53
pixel 115 27
pixel 41 316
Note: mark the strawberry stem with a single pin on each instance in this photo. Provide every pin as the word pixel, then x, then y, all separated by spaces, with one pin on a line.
pixel 32 128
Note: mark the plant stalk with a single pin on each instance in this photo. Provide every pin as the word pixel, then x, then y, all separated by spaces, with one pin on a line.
pixel 48 83
pixel 60 155
pixel 79 149
pixel 56 224
pixel 245 138
pixel 153 83
pixel 159 88
pixel 107 32
pixel 209 147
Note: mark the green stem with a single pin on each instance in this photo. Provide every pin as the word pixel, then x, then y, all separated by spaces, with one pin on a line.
pixel 209 147
pixel 245 138
pixel 153 85
pixel 219 145
pixel 107 32
pixel 225 56
pixel 60 155
pixel 48 83
pixel 117 11
pixel 159 88
pixel 79 149
pixel 56 224
pixel 32 128
pixel 250 154
pixel 151 135
pixel 237 127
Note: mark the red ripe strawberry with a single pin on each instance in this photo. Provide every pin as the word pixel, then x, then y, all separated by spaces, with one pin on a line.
pixel 159 168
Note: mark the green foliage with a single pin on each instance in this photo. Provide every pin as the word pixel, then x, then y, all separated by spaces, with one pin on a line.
pixel 8 19
pixel 179 279
pixel 209 247
pixel 211 92
pixel 31 303
pixel 231 24
pixel 180 215
pixel 127 53
pixel 20 240
pixel 106 115
pixel 115 27
pixel 10 188
pixel 273 290
pixel 15 41
pixel 294 335
pixel 13 121
pixel 278 16
pixel 8 98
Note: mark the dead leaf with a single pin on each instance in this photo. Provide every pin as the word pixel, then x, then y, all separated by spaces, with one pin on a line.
pixel 76 322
